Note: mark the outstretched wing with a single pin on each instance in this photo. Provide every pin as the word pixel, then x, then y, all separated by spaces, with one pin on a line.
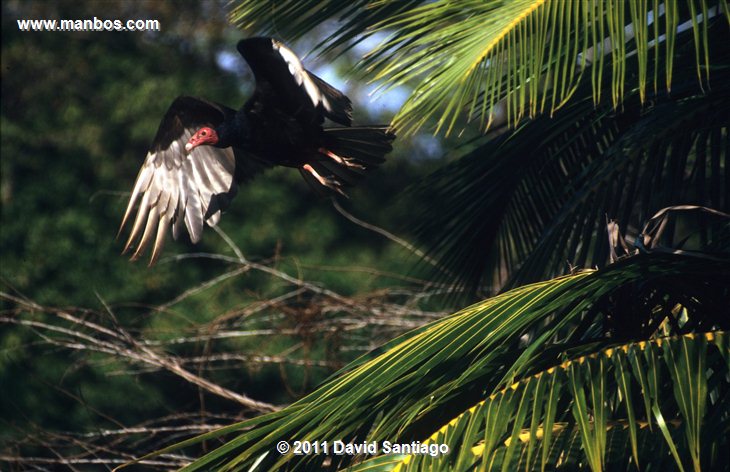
pixel 179 189
pixel 283 83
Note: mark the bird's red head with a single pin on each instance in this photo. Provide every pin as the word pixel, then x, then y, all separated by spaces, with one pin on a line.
pixel 203 136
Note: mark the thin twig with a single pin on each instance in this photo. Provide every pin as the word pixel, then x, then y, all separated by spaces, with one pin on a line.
pixel 400 241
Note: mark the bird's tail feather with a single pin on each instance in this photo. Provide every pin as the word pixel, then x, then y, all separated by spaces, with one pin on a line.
pixel 346 154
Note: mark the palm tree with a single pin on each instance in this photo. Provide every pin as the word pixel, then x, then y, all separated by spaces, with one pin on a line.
pixel 593 115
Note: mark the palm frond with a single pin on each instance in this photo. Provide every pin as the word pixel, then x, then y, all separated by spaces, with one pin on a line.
pixel 508 60
pixel 528 205
pixel 493 435
pixel 417 385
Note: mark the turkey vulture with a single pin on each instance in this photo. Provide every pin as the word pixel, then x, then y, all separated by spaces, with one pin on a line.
pixel 203 150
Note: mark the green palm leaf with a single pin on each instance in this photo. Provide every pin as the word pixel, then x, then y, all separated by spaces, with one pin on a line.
pixel 593 401
pixel 414 388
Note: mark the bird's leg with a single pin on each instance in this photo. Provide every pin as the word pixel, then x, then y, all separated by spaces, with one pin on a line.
pixel 326 181
pixel 345 161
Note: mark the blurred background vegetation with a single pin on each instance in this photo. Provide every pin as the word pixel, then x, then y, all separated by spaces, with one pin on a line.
pixel 78 112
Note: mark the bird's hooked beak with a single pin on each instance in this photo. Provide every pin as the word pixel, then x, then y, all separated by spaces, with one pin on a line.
pixel 201 137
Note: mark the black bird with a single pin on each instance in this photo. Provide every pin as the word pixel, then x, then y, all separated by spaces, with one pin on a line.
pixel 203 150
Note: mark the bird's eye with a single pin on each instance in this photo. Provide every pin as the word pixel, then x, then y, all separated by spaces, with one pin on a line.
pixel 203 133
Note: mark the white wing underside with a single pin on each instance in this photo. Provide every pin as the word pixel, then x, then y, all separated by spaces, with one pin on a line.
pixel 177 188
pixel 302 77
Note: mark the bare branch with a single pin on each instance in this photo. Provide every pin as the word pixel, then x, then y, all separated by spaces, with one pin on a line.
pixel 299 312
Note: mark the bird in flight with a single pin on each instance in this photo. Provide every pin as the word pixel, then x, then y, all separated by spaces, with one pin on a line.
pixel 203 150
